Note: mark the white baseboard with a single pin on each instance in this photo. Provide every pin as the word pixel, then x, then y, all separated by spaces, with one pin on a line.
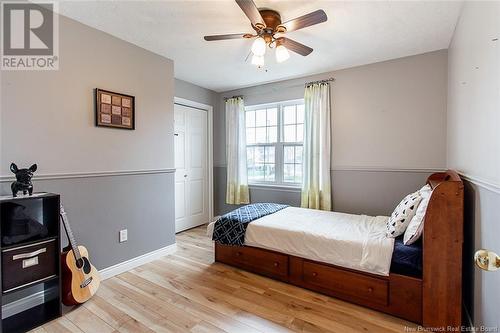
pixel 127 265
pixel 38 298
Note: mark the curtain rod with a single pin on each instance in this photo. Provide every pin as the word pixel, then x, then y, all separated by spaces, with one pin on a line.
pixel 320 81
pixel 238 96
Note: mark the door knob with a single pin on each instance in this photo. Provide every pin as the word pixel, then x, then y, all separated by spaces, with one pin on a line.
pixel 487 260
pixel 185 176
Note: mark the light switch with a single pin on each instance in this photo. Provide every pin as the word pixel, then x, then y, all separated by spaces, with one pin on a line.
pixel 123 235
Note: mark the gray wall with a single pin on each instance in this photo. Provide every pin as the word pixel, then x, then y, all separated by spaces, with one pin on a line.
pixel 48 118
pixel 98 207
pixel 195 93
pixel 375 192
pixel 474 146
pixel 388 129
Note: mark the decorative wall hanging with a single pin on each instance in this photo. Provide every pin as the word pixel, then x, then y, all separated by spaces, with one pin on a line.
pixel 114 109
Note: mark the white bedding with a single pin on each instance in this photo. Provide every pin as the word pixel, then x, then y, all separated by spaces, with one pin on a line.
pixel 352 241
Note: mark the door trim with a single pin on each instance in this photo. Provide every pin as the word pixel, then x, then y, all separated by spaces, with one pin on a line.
pixel 210 110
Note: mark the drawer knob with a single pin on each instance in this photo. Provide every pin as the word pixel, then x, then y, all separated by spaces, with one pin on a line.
pixel 315 274
pixel 276 264
pixel 238 254
pixel 370 289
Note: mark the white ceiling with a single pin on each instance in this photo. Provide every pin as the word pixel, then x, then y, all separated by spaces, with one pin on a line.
pixel 356 33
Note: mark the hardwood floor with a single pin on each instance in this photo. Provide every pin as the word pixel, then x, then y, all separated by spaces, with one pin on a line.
pixel 188 292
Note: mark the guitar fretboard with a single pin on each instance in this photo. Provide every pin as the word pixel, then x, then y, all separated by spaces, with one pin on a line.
pixel 69 233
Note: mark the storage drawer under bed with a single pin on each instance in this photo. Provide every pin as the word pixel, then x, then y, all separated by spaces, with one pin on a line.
pixel 28 264
pixel 257 260
pixel 396 294
pixel 346 283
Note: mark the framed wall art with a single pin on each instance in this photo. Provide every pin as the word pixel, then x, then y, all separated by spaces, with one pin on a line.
pixel 114 109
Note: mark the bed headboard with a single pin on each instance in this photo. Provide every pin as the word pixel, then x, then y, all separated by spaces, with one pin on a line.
pixel 442 251
pixel 439 177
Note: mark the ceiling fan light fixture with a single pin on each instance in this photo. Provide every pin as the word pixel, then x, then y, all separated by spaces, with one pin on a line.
pixel 271 31
pixel 258 60
pixel 282 53
pixel 259 47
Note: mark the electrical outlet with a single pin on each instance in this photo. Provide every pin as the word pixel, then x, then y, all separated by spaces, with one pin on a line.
pixel 123 235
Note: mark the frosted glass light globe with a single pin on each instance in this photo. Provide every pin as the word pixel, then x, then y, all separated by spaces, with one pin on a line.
pixel 259 47
pixel 258 60
pixel 281 53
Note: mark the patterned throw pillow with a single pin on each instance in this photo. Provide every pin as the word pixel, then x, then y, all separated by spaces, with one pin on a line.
pixel 402 215
pixel 416 226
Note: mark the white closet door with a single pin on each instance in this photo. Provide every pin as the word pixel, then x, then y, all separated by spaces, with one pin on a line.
pixel 191 176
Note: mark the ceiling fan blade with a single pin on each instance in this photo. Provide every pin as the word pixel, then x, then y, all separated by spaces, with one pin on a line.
pixel 295 46
pixel 304 21
pixel 252 12
pixel 227 36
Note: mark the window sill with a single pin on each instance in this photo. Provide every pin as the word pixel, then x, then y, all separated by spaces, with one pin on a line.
pixel 277 187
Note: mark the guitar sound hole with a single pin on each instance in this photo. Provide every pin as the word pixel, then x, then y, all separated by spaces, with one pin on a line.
pixel 84 264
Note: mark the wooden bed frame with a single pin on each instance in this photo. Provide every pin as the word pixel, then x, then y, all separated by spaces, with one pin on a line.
pixel 434 300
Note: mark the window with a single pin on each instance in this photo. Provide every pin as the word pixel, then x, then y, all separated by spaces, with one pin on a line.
pixel 275 135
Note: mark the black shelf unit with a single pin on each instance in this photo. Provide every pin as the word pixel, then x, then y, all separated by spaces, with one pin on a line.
pixel 33 265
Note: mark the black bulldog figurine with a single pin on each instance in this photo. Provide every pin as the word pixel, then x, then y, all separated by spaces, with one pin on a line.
pixel 23 179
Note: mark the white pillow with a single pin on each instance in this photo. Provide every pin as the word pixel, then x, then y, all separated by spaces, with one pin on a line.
pixel 402 215
pixel 416 226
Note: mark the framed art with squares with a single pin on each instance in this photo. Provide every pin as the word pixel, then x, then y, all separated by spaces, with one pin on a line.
pixel 114 109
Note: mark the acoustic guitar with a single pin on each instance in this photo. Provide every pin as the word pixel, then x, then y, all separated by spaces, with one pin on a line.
pixel 80 279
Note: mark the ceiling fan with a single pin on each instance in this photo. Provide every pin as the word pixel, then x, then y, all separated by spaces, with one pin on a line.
pixel 269 31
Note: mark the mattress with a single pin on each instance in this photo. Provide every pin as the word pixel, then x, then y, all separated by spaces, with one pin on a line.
pixel 407 259
pixel 352 241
